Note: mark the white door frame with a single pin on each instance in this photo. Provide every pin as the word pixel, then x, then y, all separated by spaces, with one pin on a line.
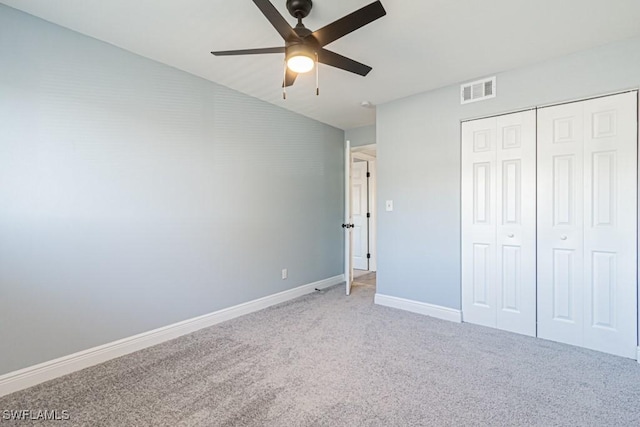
pixel 360 153
pixel 348 263
pixel 373 241
pixel 638 238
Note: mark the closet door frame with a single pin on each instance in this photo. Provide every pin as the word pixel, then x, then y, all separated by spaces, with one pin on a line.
pixel 464 204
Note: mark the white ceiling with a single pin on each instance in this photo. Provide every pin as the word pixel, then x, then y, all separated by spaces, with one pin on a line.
pixel 420 44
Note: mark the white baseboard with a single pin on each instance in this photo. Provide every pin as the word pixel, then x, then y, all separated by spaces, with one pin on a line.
pixel 638 355
pixel 28 377
pixel 437 311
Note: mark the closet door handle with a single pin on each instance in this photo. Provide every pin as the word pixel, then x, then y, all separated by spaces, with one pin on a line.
pixel 510 235
pixel 563 237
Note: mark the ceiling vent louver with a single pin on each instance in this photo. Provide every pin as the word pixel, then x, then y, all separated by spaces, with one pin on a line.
pixel 478 90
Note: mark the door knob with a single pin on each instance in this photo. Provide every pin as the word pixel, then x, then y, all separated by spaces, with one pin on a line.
pixel 510 235
pixel 563 237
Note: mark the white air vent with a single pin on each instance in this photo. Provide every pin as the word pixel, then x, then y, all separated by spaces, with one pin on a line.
pixel 478 90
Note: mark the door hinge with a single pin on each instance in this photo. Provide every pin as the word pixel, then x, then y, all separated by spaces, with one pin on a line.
pixel 368 174
pixel 368 255
pixel 368 215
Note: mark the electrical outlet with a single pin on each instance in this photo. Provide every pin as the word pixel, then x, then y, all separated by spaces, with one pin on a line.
pixel 389 205
pixel 285 273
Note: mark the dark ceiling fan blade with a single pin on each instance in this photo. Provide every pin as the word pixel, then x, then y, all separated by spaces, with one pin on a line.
pixel 277 20
pixel 335 60
pixel 349 23
pixel 290 78
pixel 249 51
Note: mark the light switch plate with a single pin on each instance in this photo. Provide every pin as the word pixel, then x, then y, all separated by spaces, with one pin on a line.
pixel 389 205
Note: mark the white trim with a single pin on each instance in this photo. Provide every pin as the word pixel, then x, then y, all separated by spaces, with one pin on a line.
pixel 362 156
pixel 28 377
pixel 444 313
pixel 348 252
pixel 638 355
pixel 367 147
pixel 587 98
pixel 552 104
pixel 373 221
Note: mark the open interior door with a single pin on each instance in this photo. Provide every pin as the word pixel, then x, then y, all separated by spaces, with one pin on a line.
pixel 347 225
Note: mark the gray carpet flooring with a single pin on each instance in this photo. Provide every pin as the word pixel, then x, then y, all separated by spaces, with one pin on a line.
pixel 330 360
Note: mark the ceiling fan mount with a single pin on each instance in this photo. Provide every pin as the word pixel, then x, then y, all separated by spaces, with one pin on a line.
pixel 299 9
pixel 303 48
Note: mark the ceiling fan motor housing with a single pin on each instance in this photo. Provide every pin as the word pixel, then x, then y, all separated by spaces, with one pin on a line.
pixel 299 8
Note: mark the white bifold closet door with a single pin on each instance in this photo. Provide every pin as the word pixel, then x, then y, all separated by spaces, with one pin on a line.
pixel 498 222
pixel 587 198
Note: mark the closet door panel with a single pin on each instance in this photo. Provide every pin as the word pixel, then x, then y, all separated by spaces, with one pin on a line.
pixel 560 223
pixel 610 163
pixel 516 222
pixel 587 224
pixel 498 222
pixel 479 222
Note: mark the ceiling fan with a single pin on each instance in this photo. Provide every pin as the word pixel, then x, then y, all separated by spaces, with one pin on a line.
pixel 303 48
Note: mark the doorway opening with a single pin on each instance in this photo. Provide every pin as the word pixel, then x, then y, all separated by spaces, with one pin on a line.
pixel 363 257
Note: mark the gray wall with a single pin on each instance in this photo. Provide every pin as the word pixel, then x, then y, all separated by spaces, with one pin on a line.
pixel 364 135
pixel 419 163
pixel 134 195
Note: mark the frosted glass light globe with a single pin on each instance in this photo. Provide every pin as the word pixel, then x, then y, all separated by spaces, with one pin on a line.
pixel 300 64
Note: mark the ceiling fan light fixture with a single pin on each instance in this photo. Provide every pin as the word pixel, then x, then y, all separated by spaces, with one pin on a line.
pixel 305 49
pixel 300 64
pixel 300 59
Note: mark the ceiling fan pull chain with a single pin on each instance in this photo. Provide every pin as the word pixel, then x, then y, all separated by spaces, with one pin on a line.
pixel 317 76
pixel 284 81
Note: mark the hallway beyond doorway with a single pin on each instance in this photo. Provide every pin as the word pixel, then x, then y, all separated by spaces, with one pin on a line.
pixel 364 278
